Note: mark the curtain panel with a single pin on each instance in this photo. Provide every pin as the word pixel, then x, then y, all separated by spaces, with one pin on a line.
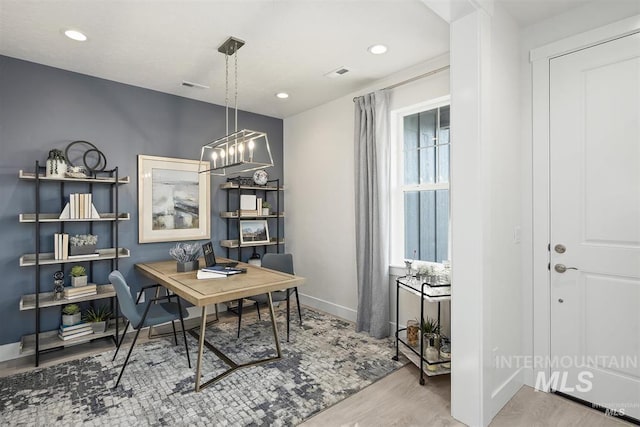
pixel 372 212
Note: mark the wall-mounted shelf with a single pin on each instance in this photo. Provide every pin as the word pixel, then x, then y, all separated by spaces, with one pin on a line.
pixel 234 215
pixel 99 180
pixel 234 186
pixel 236 244
pixel 48 258
pixel 28 302
pixel 49 340
pixel 109 216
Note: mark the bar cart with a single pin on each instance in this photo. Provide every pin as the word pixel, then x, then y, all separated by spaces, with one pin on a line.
pixel 433 292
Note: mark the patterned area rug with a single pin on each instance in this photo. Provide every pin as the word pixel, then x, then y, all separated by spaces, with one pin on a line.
pixel 324 362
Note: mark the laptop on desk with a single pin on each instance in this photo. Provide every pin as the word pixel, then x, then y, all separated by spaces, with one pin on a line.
pixel 210 258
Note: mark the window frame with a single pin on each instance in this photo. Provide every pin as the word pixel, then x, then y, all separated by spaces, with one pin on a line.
pixel 397 186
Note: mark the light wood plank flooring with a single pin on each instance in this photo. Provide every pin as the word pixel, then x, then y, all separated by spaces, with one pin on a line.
pixel 396 400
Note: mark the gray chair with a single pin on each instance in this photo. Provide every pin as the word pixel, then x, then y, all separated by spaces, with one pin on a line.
pixel 278 262
pixel 151 313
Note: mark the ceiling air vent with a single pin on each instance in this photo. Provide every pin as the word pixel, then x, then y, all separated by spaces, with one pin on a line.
pixel 192 84
pixel 341 71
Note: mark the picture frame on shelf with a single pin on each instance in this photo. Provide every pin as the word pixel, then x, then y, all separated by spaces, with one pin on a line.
pixel 254 231
pixel 173 200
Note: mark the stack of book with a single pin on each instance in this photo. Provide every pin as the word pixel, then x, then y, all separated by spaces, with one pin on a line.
pixel 82 291
pixel 74 331
pixel 80 206
pixel 61 245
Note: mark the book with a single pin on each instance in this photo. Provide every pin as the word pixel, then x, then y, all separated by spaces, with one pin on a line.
pixel 65 328
pixel 79 290
pixel 66 333
pixel 248 202
pixel 79 334
pixel 85 294
pixel 227 271
pixel 209 275
pixel 56 246
pixel 65 246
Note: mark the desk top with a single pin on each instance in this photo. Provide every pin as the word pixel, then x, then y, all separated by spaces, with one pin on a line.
pixel 201 292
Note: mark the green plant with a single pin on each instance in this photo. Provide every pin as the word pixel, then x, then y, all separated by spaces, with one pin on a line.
pixel 78 271
pixel 83 240
pixel 70 309
pixel 266 205
pixel 430 326
pixel 98 315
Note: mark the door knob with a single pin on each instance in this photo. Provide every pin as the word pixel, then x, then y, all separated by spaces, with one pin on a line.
pixel 561 268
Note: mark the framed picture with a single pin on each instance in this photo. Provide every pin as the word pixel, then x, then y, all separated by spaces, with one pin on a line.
pixel 173 200
pixel 254 231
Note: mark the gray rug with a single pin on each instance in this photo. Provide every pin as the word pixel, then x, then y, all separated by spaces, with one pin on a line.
pixel 324 362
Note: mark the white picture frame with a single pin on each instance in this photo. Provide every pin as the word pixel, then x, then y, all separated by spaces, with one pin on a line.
pixel 254 231
pixel 173 200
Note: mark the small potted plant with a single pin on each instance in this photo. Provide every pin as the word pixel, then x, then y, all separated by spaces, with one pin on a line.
pixel 82 244
pixel 266 208
pixel 78 276
pixel 56 164
pixel 98 318
pixel 186 254
pixel 431 330
pixel 71 315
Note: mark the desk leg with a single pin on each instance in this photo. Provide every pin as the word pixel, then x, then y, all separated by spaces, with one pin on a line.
pixel 273 324
pixel 203 328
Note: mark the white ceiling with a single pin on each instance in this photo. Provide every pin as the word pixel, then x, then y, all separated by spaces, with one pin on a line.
pixel 290 44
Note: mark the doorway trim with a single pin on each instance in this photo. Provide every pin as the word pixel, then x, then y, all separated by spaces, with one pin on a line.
pixel 541 279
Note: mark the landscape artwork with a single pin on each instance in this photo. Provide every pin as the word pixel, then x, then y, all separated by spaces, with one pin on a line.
pixel 174 196
pixel 254 231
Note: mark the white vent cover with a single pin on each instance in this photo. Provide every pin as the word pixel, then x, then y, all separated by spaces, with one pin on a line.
pixel 338 72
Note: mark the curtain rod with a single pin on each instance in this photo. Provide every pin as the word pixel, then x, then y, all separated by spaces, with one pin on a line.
pixel 412 79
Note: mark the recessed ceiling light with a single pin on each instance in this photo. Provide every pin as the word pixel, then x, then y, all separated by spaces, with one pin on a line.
pixel 377 49
pixel 282 95
pixel 75 35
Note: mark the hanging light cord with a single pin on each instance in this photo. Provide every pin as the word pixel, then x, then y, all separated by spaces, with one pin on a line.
pixel 236 91
pixel 226 93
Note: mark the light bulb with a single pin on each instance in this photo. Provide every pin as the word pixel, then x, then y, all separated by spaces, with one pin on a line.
pixel 241 148
pixel 222 154
pixel 214 155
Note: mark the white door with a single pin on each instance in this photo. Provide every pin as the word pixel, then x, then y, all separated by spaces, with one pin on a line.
pixel 595 215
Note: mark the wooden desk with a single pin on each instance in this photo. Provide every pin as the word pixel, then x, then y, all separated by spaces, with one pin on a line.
pixel 204 292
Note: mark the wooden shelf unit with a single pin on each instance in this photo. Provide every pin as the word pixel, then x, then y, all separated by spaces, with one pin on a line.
pixel 41 341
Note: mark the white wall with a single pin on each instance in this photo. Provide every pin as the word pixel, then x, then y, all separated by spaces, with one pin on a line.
pixel 485 209
pixel 320 181
pixel 577 21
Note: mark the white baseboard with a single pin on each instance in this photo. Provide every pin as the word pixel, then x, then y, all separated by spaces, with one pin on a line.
pixel 9 351
pixel 329 307
pixel 505 391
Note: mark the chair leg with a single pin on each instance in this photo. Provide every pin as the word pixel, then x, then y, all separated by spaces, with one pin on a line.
pixel 295 289
pixel 288 303
pixel 175 336
pixel 184 332
pixel 127 359
pixel 239 315
pixel 124 332
pixel 258 310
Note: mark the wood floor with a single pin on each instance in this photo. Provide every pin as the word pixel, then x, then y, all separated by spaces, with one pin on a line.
pixel 396 400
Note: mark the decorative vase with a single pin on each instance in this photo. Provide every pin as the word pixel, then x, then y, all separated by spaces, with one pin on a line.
pixel 188 266
pixel 56 168
pixel 99 327
pixel 71 319
pixel 78 281
pixel 82 250
pixel 265 211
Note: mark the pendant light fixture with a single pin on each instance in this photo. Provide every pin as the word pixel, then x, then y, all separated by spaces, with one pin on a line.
pixel 242 150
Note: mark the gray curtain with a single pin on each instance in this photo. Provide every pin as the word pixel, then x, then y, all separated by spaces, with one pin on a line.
pixel 372 212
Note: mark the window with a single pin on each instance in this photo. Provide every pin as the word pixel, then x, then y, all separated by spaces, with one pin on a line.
pixel 421 199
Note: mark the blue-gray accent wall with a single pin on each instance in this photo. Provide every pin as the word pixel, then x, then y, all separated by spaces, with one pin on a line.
pixel 43 108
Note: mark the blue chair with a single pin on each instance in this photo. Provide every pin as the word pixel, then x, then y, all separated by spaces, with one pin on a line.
pixel 278 262
pixel 151 313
